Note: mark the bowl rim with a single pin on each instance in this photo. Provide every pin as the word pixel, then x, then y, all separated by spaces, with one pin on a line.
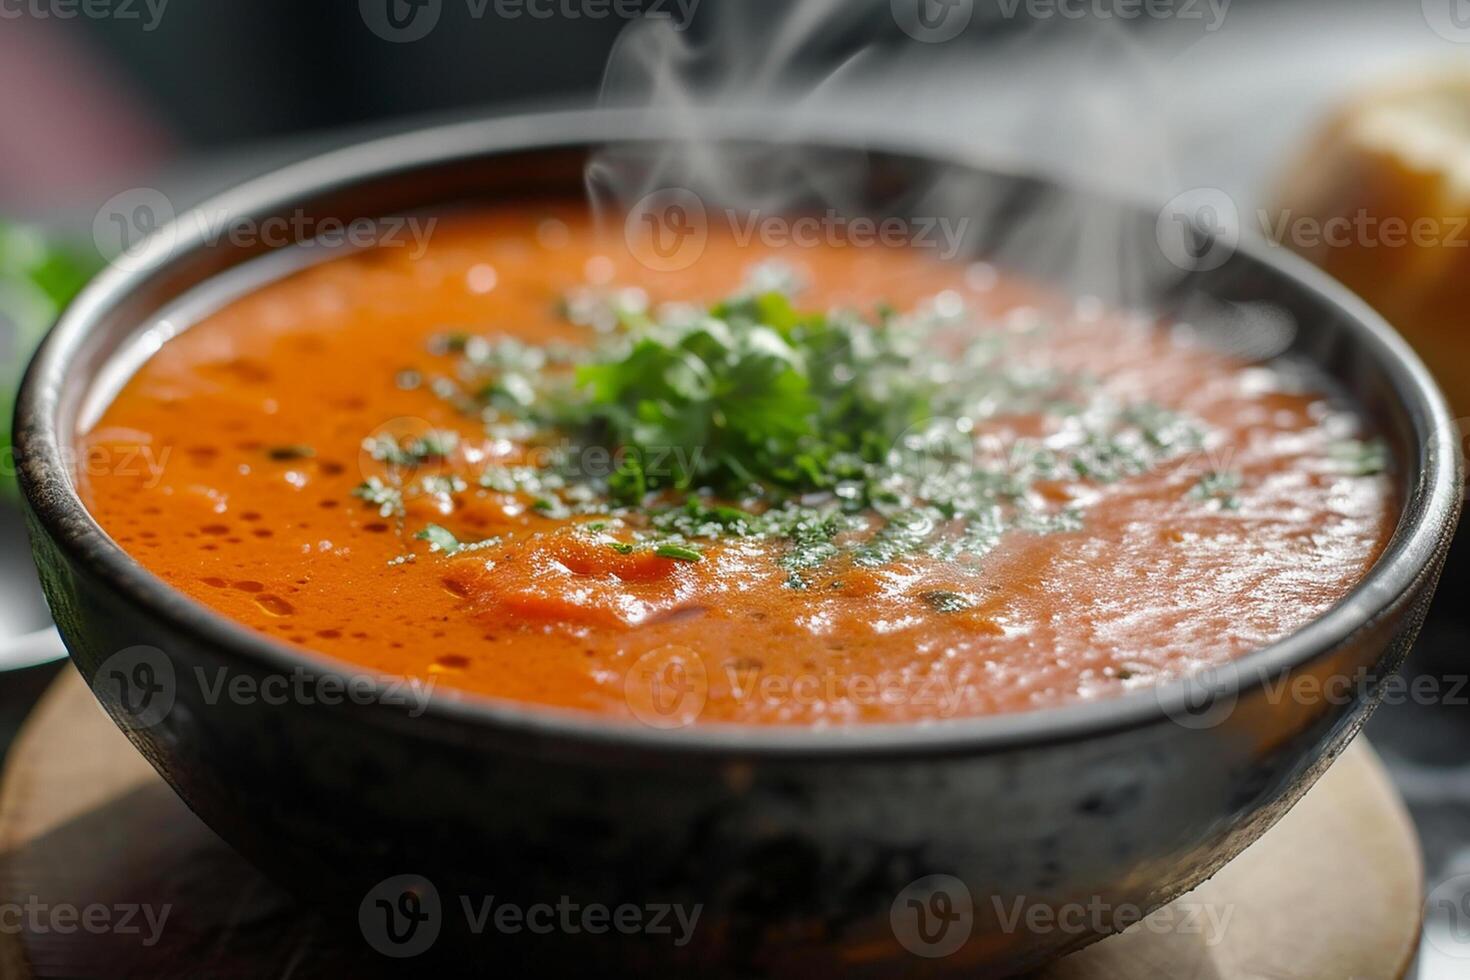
pixel 1426 520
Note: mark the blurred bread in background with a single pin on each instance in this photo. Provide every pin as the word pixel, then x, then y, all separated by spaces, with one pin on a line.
pixel 1380 199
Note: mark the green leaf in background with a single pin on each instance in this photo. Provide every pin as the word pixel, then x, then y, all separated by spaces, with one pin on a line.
pixel 37 279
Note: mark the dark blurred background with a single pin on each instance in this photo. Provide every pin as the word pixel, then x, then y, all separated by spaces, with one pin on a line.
pixel 93 104
pixel 114 95
pixel 207 75
pixel 84 100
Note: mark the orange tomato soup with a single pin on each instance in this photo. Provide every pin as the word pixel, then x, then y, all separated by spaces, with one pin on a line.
pixel 333 463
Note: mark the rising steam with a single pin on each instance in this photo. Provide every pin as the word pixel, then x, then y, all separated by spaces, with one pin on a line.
pixel 1083 103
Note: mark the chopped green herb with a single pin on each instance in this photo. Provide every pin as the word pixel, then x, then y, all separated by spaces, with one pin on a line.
pixel 752 393
pixel 443 540
pixel 550 507
pixel 678 552
pixel 388 500
pixel 421 449
pixel 440 539
pixel 628 484
pixel 442 485
pixel 945 602
pixel 450 343
pixel 696 519
pixel 810 534
pixel 903 534
pixel 848 438
pixel 520 479
pixel 1218 487
pixel 1054 522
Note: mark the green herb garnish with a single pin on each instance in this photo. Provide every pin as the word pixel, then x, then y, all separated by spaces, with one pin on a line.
pixel 678 552
pixel 440 539
pixel 443 540
pixel 433 445
pixel 388 499
pixel 1218 488
pixel 841 437
pixel 750 394
pixel 945 602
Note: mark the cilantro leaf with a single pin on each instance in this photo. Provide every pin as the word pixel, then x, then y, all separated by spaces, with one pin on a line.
pixel 678 552
pixel 440 539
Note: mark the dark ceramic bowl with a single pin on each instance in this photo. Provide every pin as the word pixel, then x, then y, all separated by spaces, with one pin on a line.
pixel 799 846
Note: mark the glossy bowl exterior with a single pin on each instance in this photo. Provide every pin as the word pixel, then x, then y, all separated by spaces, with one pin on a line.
pixel 797 846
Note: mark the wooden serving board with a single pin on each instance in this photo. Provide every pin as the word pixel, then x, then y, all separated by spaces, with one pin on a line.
pixel 1332 892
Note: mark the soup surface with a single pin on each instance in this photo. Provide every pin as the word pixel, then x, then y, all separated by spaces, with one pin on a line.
pixel 802 485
